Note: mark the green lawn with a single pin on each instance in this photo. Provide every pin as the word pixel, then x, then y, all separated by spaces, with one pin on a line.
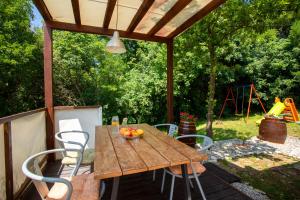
pixel 236 127
pixel 277 175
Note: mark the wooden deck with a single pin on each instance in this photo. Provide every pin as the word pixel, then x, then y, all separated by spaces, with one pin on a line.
pixel 215 183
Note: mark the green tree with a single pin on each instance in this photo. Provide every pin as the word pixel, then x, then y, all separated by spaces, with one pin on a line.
pixel 21 73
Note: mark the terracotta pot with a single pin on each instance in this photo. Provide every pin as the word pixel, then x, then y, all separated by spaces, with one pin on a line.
pixel 187 128
pixel 273 130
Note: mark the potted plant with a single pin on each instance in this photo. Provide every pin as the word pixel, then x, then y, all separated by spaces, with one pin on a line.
pixel 187 127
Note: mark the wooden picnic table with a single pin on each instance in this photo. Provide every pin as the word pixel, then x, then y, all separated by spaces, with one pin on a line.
pixel 116 156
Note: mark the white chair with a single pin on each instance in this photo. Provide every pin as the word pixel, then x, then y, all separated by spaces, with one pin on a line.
pixel 172 128
pixel 80 187
pixel 77 140
pixel 195 169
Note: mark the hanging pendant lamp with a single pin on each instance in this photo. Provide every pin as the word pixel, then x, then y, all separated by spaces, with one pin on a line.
pixel 115 45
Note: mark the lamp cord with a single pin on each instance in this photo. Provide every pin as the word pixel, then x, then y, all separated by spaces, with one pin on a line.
pixel 117 15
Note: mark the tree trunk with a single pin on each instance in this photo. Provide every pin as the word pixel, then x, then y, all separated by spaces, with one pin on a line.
pixel 211 89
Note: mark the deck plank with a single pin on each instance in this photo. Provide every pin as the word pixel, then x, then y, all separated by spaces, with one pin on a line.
pixel 140 186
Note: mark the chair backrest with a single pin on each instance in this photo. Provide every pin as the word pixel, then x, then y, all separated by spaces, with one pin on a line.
pixel 207 142
pixel 73 139
pixel 33 171
pixel 172 128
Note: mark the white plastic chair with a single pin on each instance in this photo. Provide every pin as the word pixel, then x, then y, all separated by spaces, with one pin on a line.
pixel 172 128
pixel 77 140
pixel 80 187
pixel 195 169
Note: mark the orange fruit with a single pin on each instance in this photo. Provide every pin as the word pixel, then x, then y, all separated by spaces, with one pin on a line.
pixel 140 131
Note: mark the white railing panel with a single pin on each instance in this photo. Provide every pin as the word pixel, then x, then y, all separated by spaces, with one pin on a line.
pixel 2 164
pixel 83 119
pixel 28 138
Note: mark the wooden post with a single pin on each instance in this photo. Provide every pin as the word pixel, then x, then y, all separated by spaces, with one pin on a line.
pixel 257 95
pixel 249 103
pixel 8 161
pixel 48 58
pixel 170 81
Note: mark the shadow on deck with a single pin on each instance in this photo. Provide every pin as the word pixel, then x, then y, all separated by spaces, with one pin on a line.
pixel 215 182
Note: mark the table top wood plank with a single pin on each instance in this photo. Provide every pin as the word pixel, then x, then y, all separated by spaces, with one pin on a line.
pixel 130 162
pixel 106 164
pixel 151 157
pixel 167 151
pixel 184 149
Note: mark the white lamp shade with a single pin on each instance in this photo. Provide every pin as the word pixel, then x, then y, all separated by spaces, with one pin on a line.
pixel 115 45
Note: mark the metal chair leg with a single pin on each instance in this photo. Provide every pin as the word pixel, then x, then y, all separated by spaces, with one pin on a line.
pixel 61 168
pixel 163 182
pixel 102 191
pixel 198 183
pixel 191 183
pixel 154 173
pixel 172 188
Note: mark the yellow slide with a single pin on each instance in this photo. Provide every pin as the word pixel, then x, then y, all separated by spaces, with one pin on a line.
pixel 275 110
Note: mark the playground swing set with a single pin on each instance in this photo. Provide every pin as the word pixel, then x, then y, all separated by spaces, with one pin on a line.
pixel 287 110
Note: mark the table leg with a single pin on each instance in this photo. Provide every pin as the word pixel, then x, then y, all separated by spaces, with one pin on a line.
pixel 115 189
pixel 187 190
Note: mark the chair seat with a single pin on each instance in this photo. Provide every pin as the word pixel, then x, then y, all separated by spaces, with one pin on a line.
pixel 72 157
pixel 84 187
pixel 198 167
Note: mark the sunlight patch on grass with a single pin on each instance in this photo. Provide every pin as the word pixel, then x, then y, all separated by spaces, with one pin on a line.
pixel 276 174
pixel 237 127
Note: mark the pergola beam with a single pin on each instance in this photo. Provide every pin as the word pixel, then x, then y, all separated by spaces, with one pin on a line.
pixel 169 15
pixel 108 13
pixel 199 15
pixel 103 31
pixel 9 177
pixel 170 112
pixel 76 11
pixel 43 10
pixel 48 87
pixel 140 14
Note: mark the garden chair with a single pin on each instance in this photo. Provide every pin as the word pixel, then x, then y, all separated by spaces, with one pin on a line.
pixel 172 129
pixel 76 140
pixel 80 187
pixel 195 169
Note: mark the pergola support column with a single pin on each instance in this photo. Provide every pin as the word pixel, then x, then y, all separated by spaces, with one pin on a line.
pixel 48 87
pixel 170 112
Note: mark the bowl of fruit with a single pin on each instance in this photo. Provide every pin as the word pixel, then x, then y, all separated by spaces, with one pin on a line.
pixel 131 133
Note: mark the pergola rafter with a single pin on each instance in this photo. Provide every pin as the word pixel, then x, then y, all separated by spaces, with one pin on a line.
pixel 108 13
pixel 198 16
pixel 169 15
pixel 151 20
pixel 140 14
pixel 76 11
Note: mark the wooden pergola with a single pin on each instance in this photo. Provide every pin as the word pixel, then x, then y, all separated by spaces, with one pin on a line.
pixel 148 20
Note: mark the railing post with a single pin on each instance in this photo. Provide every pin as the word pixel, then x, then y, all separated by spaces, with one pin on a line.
pixel 170 112
pixel 48 79
pixel 8 161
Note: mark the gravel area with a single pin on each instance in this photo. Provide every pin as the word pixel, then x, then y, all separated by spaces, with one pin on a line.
pixel 250 191
pixel 291 147
pixel 236 148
